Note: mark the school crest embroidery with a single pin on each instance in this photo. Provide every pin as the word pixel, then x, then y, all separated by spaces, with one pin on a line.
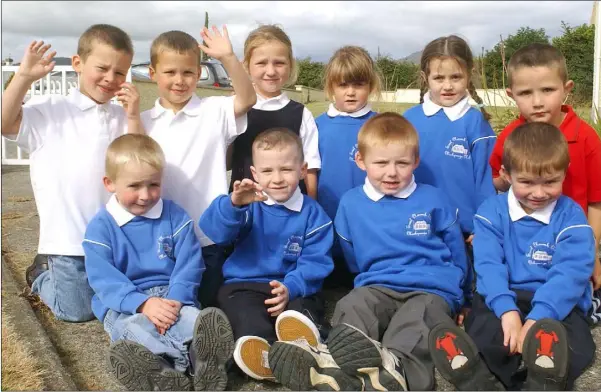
pixel 351 155
pixel 419 224
pixel 294 246
pixel 540 253
pixel 165 247
pixel 457 147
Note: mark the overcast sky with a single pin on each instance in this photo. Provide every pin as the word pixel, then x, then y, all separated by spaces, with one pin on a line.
pixel 316 28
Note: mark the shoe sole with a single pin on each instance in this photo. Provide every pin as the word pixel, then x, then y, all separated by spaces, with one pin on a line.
pixel 251 356
pixel 357 355
pixel 292 325
pixel 213 344
pixel 138 369
pixel 298 370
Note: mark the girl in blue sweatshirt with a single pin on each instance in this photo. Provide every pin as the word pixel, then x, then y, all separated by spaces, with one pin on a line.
pixel 456 140
pixel 350 79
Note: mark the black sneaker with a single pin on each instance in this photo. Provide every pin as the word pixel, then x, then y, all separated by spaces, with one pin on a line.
pixel 302 367
pixel 138 369
pixel 456 357
pixel 546 356
pixel 360 356
pixel 39 265
pixel 212 347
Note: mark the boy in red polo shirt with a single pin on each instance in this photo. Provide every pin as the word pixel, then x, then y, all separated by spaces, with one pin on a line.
pixel 538 82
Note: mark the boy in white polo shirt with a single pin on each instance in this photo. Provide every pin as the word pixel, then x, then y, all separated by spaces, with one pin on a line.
pixel 66 138
pixel 194 133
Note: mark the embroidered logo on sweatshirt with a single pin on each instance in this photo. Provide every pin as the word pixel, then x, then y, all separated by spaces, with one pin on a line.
pixel 351 155
pixel 419 224
pixel 165 247
pixel 294 246
pixel 540 253
pixel 458 148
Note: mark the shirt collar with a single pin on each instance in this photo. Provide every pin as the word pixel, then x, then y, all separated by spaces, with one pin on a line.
pixel 295 203
pixel 333 112
pixel 454 112
pixel 83 102
pixel 273 103
pixel 376 195
pixel 566 127
pixel 516 212
pixel 122 216
pixel 192 108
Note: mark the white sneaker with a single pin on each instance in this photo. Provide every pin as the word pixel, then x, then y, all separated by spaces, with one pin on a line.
pixel 293 326
pixel 251 354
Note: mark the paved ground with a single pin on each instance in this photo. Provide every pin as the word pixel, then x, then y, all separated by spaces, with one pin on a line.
pixel 74 353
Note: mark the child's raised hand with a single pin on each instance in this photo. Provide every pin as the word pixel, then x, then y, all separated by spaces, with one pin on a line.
pixel 129 97
pixel 35 63
pixel 512 326
pixel 216 45
pixel 280 299
pixel 246 192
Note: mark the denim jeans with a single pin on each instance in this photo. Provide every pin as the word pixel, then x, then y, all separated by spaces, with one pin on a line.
pixel 64 288
pixel 137 327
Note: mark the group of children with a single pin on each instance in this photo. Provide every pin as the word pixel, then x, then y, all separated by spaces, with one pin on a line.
pixel 138 228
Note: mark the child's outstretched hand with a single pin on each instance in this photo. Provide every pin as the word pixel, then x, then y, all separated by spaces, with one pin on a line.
pixel 280 299
pixel 129 97
pixel 512 326
pixel 246 192
pixel 216 45
pixel 35 64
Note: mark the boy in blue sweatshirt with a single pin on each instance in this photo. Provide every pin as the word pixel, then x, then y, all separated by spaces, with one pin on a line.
pixel 144 264
pixel 405 244
pixel 534 254
pixel 282 241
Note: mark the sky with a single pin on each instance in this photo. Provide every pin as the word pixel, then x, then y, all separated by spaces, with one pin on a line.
pixel 316 29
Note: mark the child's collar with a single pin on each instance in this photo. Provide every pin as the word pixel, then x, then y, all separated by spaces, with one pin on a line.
pixel 122 216
pixel 192 107
pixel 295 203
pixel 333 112
pixel 516 212
pixel 376 195
pixel 454 112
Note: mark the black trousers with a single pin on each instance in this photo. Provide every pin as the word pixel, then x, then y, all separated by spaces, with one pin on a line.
pixel 244 305
pixel 485 329
pixel 212 278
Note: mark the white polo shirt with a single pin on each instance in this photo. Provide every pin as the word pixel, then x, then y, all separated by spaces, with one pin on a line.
pixel 195 142
pixel 67 138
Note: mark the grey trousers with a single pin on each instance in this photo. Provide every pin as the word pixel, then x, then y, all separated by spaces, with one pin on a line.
pixel 401 322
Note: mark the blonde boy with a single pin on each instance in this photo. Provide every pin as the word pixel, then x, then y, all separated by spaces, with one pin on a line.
pixel 66 138
pixel 194 133
pixel 144 265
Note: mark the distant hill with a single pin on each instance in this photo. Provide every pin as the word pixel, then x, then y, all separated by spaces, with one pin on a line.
pixel 413 57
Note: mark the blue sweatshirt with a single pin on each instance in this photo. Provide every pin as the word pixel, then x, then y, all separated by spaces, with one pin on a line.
pixel 454 157
pixel 407 243
pixel 515 251
pixel 123 259
pixel 273 242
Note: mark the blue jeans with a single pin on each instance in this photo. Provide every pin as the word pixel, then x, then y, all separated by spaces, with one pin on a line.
pixel 64 288
pixel 138 328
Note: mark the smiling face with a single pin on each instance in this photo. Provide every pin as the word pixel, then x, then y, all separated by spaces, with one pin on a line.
pixel 447 81
pixel 176 75
pixel 533 191
pixel 269 67
pixel 137 187
pixel 278 171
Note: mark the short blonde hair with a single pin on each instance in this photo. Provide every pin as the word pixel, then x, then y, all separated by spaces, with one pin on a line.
pixel 105 34
pixel 537 55
pixel 132 148
pixel 386 128
pixel 278 138
pixel 351 64
pixel 177 41
pixel 536 148
pixel 264 34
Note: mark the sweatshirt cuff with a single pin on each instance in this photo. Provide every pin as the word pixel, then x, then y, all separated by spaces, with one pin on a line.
pixel 294 291
pixel 181 293
pixel 132 302
pixel 541 311
pixel 229 210
pixel 503 304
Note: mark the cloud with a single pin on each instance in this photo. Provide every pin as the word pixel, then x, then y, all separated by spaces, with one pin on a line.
pixel 316 29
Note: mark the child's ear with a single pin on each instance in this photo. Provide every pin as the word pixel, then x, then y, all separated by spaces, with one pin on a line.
pixel 304 169
pixel 152 73
pixel 76 63
pixel 254 173
pixel 359 161
pixel 108 184
pixel 568 86
pixel 505 174
pixel 509 93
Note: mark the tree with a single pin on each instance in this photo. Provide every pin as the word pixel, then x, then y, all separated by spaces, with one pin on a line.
pixel 396 73
pixel 310 73
pixel 577 45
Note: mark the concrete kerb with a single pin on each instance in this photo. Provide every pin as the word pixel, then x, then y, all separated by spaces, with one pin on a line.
pixel 56 378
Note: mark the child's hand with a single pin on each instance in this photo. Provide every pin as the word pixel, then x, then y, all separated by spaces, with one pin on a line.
pixel 34 64
pixel 527 325
pixel 160 312
pixel 176 304
pixel 217 46
pixel 512 325
pixel 469 239
pixel 462 315
pixel 280 301
pixel 246 192
pixel 129 97
pixel 597 274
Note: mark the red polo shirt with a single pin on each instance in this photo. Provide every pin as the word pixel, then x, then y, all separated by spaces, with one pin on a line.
pixel 583 180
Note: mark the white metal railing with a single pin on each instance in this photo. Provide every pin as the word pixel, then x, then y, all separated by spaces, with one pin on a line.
pixel 60 81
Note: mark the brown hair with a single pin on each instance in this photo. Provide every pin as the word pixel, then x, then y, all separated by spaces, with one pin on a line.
pixel 132 148
pixel 537 55
pixel 351 64
pixel 279 138
pixel 456 48
pixel 536 148
pixel 385 128
pixel 264 34
pixel 177 41
pixel 106 34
